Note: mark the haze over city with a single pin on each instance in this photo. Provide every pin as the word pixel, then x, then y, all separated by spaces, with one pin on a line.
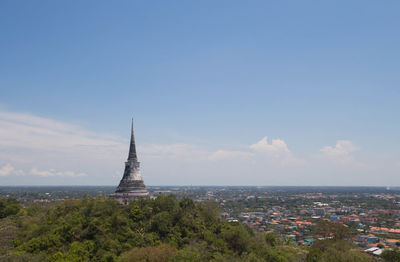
pixel 266 93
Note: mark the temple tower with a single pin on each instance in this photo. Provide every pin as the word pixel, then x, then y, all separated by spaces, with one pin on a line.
pixel 131 185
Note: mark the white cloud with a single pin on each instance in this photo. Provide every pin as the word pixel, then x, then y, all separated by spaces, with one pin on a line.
pixel 6 170
pixel 277 146
pixel 276 153
pixel 341 152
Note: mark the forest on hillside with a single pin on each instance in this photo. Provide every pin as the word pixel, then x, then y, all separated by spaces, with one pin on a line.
pixel 161 229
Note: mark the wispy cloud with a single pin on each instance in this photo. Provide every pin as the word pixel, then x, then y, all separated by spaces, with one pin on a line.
pixel 9 170
pixel 20 130
pixel 30 140
pixel 34 146
pixel 229 154
pixel 54 173
pixel 182 152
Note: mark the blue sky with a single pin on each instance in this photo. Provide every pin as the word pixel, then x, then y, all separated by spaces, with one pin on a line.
pixel 210 76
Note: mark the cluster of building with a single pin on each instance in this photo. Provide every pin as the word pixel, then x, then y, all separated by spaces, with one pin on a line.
pixel 292 216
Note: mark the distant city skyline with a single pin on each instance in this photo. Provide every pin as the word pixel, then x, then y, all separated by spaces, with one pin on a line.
pixel 222 93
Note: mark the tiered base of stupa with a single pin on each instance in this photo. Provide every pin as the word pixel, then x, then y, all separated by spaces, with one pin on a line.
pixel 130 189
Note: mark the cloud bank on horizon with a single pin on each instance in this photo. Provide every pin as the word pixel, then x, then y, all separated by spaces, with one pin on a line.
pixel 41 151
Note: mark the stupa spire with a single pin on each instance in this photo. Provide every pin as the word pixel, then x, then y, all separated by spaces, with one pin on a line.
pixel 132 148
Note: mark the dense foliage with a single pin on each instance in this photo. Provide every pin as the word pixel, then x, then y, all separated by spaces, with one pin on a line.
pixel 8 207
pixel 391 255
pixel 163 229
pixel 335 251
pixel 335 245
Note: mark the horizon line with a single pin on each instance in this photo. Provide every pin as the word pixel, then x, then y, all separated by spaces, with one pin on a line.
pixel 202 186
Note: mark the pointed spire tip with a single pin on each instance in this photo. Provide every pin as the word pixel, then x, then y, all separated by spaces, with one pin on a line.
pixel 132 147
